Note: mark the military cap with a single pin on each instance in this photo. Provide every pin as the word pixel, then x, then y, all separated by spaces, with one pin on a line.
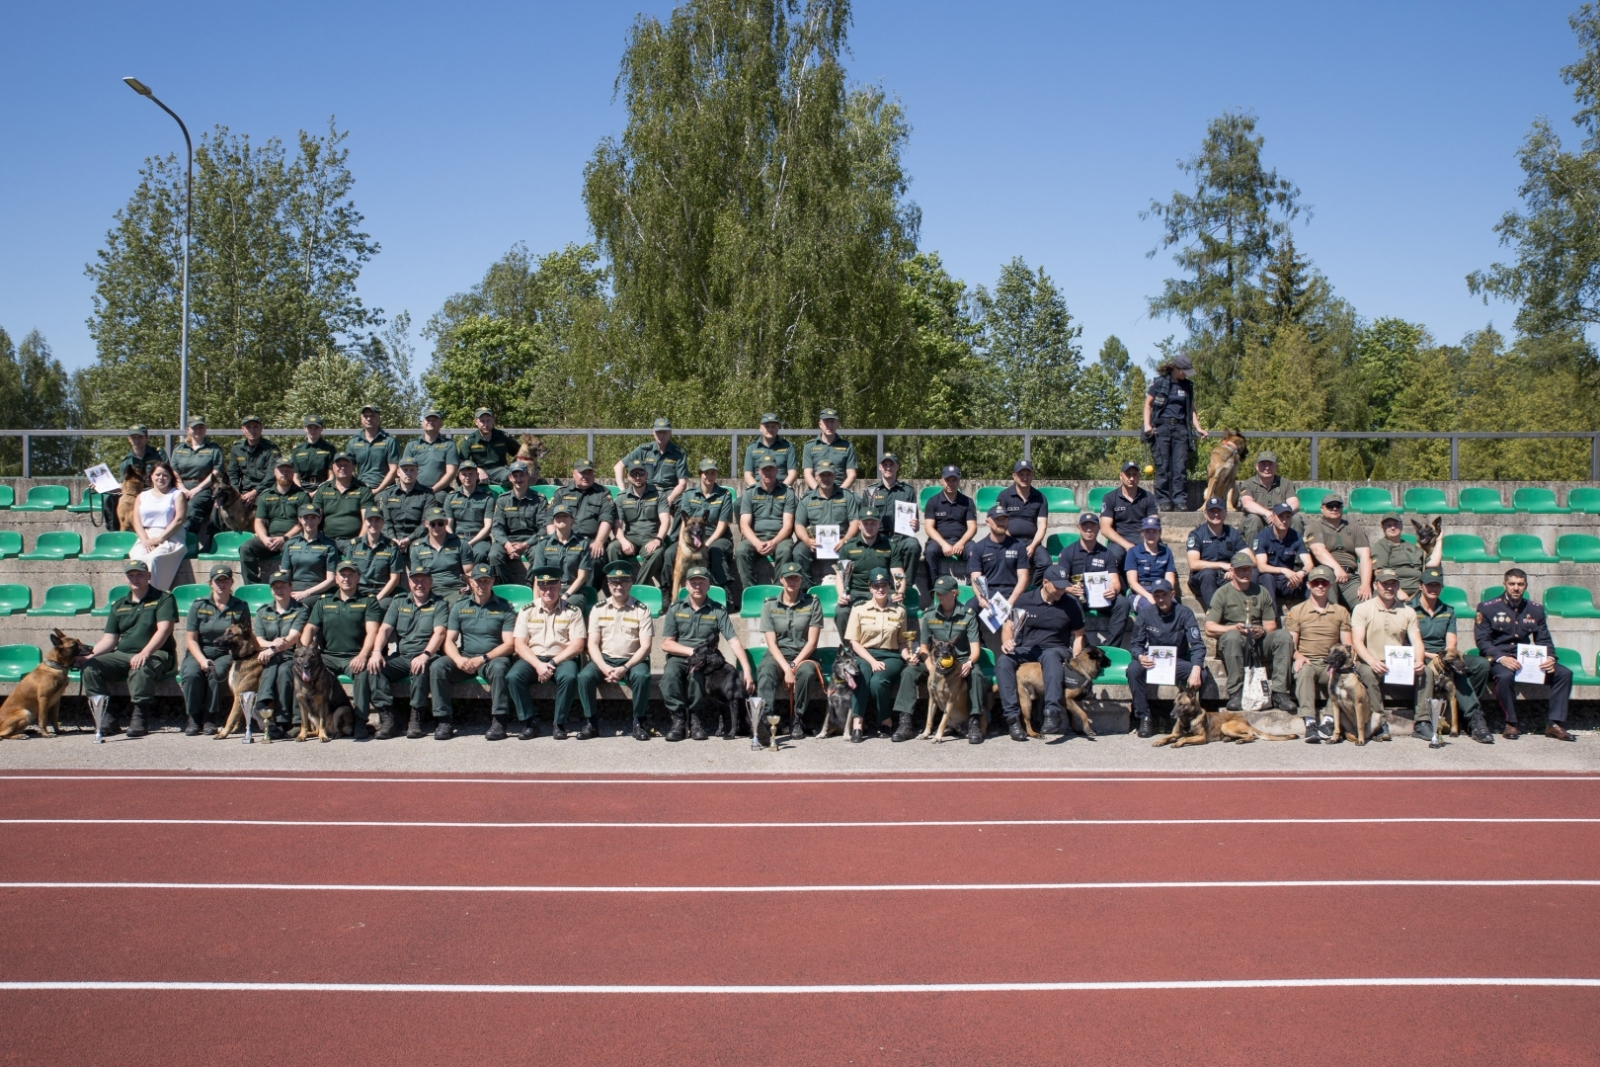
pixel 661 424
pixel 1282 508
pixel 1159 585
pixel 419 570
pixel 436 515
pixel 696 571
pixel 1320 573
pixel 432 413
pixel 1022 465
pixel 1181 362
pixel 584 464
pixel 142 431
pixel 308 509
pixel 480 571
pixel 220 570
pixel 560 508
pixel 950 471
pixel 368 407
pixel 1266 457
pixel 620 568
pixel 889 457
pixel 1386 574
pixel 546 573
pixel 871 514
pixel 466 465
pixel 519 465
pixel 791 570
pixel 879 574
pixel 1242 558
pixel 347 565
pixel 249 419
pixel 638 465
pixel 825 466
pixel 945 584
pixel 1057 574
pixel 196 420
pixel 1216 503
pixel 1390 516
pixel 1150 522
pixel 280 575
pixel 1089 518
pixel 765 460
pixel 135 565
pixel 284 460
pixel 770 417
pixel 1432 575
pixel 1129 465
pixel 828 413
pixel 372 511
pixel 313 420
pixel 708 465
pixel 408 461
pixel 998 512
pixel 1333 500
pixel 481 412
pixel 343 457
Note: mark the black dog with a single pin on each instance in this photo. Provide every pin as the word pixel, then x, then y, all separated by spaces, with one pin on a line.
pixel 846 676
pixel 723 688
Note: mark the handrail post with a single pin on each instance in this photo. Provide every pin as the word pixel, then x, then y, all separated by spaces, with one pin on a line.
pixel 879 458
pixel 1027 447
pixel 1594 458
pixel 26 472
pixel 590 456
pixel 1314 441
pixel 733 460
pixel 1455 458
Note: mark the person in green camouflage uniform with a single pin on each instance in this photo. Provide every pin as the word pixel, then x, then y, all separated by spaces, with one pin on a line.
pixel 277 627
pixel 882 495
pixel 380 560
pixel 594 513
pixel 251 461
pixel 828 445
pixel 665 461
pixel 563 551
pixel 442 555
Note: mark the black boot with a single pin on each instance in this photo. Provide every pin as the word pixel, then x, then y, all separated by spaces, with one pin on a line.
pixel 445 731
pixel 797 728
pixel 497 729
pixel 590 731
pixel 358 728
pixel 191 728
pixel 386 724
pixel 697 730
pixel 641 730
pixel 137 727
pixel 414 725
pixel 558 731
pixel 529 731
pixel 974 729
pixel 1147 726
pixel 1480 728
pixel 677 732
pixel 903 730
pixel 1017 731
pixel 1051 725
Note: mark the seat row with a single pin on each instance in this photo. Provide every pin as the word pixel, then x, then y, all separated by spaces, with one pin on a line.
pixel 1520 548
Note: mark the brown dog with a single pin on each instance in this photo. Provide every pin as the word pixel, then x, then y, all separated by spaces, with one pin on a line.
pixel 323 705
pixel 36 701
pixel 1222 469
pixel 846 676
pixel 132 485
pixel 1082 670
pixel 1353 720
pixel 237 515
pixel 692 552
pixel 1427 534
pixel 1440 672
pixel 530 450
pixel 1193 725
pixel 948 696
pixel 239 641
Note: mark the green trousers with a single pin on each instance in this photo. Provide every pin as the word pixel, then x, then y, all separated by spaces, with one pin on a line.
pixel 1275 651
pixel 874 701
pixel 367 691
pixel 397 672
pixel 745 556
pixel 521 678
pixel 647 565
pixel 110 667
pixel 1311 686
pixel 681 690
pixel 905 700
pixel 770 685
pixel 1467 687
pixel 442 674
pixel 637 682
pixel 203 690
pixel 276 688
pixel 253 559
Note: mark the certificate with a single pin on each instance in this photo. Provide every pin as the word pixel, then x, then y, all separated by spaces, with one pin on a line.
pixel 1097 587
pixel 827 542
pixel 995 615
pixel 905 518
pixel 1401 664
pixel 1530 656
pixel 1165 671
pixel 100 478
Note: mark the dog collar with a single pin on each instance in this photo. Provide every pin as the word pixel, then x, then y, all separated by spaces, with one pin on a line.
pixel 53 666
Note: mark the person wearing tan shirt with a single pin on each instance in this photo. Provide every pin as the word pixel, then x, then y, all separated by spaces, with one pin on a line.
pixel 1377 623
pixel 1315 625
pixel 549 637
pixel 620 631
pixel 876 634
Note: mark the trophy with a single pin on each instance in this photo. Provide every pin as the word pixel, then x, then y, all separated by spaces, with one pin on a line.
pixel 1437 707
pixel 772 732
pixel 247 704
pixel 757 706
pixel 981 586
pixel 1019 618
pixel 97 711
pixel 846 567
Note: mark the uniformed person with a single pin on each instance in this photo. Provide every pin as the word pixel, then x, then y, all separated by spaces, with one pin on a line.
pixel 594 513
pixel 137 646
pixel 470 508
pixel 435 453
pixel 997 566
pixel 477 643
pixel 277 519
pixel 1436 621
pixel 883 495
pixel 1375 625
pixel 442 555
pixel 950 522
pixel 715 504
pixel 1403 557
pixel 826 505
pixel 342 499
pixel 198 462
pixel 620 631
pixel 781 449
pixel 251 460
pixel 690 623
pixel 204 676
pixel 518 523
pixel 643 519
pixel 405 506
pixel 1169 408
pixel 791 624
pixel 868 551
pixel 142 452
pixel 1243 618
pixel 1029 516
pixel 490 448
pixel 1315 625
pixel 665 461
pixel 1125 507
pixel 956 623
pixel 766 522
pixel 1342 548
pixel 828 445
pixel 1108 623
pixel 1504 623
pixel 1282 558
pixel 1259 492
pixel 313 457
pixel 277 626
pixel 548 639
pixel 381 563
pixel 564 551
pixel 876 635
pixel 1210 547
pixel 310 558
pixel 1146 561
pixel 1051 635
pixel 416 623
pixel 347 624
pixel 376 452
pixel 1164 623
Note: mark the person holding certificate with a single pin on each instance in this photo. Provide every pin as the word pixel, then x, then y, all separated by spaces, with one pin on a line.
pixel 1049 633
pixel 1505 623
pixel 1388 645
pixel 1096 570
pixel 1166 646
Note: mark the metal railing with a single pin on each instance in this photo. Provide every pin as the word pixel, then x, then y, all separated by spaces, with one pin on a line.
pixel 1316 437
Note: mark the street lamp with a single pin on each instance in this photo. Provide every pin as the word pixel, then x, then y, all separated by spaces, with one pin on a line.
pixel 188 214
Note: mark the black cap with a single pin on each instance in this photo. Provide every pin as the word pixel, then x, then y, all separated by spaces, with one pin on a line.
pixel 1058 574
pixel 1216 504
pixel 1021 465
pixel 950 471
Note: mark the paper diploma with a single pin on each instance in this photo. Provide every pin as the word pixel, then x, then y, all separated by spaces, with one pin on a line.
pixel 995 615
pixel 1401 664
pixel 905 518
pixel 1530 656
pixel 100 478
pixel 1165 671
pixel 1097 587
pixel 827 542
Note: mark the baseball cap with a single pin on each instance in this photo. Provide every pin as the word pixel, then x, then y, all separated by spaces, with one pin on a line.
pixel 313 420
pixel 481 412
pixel 419 570
pixel 1333 500
pixel 368 407
pixel 1431 575
pixel 1150 522
pixel 284 460
pixel 249 419
pixel 1320 573
pixel 408 461
pixel 560 509
pixel 636 465
pixel 1159 585
pixel 889 457
pixel 951 471
pixel 344 456
pixel 770 417
pixel 998 512
pixel 1129 465
pixel 871 513
pixel 196 420
pixel 584 464
pixel 697 572
pixel 1267 457
pixel 142 431
pixel 1058 574
pixel 372 511
pixel 518 466
pixel 878 574
pixel 1282 508
pixel 1182 363
pixel 1021 465
pixel 791 570
pixel 827 413
pixel 480 571
pixel 220 570
pixel 946 584
pixel 436 515
pixel 1089 518
pixel 766 459
pixel 280 575
pixel 1242 559
pixel 348 565
pixel 432 413
pixel 308 509
pixel 1386 574
pixel 466 465
pixel 135 565
pixel 1390 516
pixel 825 466
pixel 708 464
pixel 1216 504
pixel 661 424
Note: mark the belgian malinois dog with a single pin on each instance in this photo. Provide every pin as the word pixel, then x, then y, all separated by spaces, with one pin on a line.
pixel 1222 469
pixel 239 641
pixel 948 697
pixel 1192 724
pixel 1081 672
pixel 36 701
pixel 1353 720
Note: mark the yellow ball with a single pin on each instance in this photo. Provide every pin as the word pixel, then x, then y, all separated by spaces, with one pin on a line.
pixel 1149 468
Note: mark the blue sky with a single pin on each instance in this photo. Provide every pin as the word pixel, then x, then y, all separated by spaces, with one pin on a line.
pixel 1039 130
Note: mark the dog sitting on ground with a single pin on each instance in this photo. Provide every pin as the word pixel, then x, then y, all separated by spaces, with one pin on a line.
pixel 1080 674
pixel 324 707
pixel 722 685
pixel 1427 534
pixel 948 696
pixel 846 677
pixel 1353 720
pixel 530 450
pixel 1440 675
pixel 692 552
pixel 133 484
pixel 1222 469
pixel 36 701
pixel 1192 724
pixel 239 641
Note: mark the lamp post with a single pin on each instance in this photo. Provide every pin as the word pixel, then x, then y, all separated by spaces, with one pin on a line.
pixel 188 214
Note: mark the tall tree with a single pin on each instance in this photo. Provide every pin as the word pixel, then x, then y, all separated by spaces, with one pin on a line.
pixel 36 393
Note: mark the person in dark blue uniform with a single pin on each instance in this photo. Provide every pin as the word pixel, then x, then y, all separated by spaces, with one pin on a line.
pixel 1164 623
pixel 1211 547
pixel 1028 513
pixel 1125 508
pixel 1503 624
pixel 1088 555
pixel 1147 561
pixel 997 566
pixel 1051 634
pixel 1168 411
pixel 951 522
pixel 1282 558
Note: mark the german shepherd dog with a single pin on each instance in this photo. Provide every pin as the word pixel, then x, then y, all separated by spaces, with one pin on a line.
pixel 320 698
pixel 230 506
pixel 948 696
pixel 36 701
pixel 1440 674
pixel 1427 534
pixel 1222 469
pixel 1081 672
pixel 530 450
pixel 692 552
pixel 721 684
pixel 133 483
pixel 1353 720
pixel 1194 725
pixel 239 641
pixel 846 677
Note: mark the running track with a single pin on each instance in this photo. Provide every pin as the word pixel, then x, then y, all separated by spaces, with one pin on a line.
pixel 969 919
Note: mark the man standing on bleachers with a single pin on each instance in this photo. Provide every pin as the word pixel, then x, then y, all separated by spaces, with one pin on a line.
pixel 1503 624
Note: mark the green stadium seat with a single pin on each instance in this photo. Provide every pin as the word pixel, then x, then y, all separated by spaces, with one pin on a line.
pixel 927 494
pixel 8 496
pixel 1117 673
pixel 90 502
pixel 756 595
pixel 965 593
pixel 1456 597
pixel 986 497
pixel 1578 548
pixel 112 545
pixel 590 596
pixel 1573 661
pixel 72 599
pixel 1370 500
pixel 517 596
pixel 1491 592
pixel 258 595
pixel 45 498
pixel 986 664
pixel 116 594
pixel 225 547
pixel 10 543
pixel 1428 501
pixel 1465 548
pixel 1056 543
pixel 547 491
pixel 1409 538
pixel 828 593
pixel 345 679
pixel 497 489
pixel 1097 496
pixel 1570 602
pixel 186 595
pixel 1482 500
pixel 16 661
pixel 1585 498
pixel 757 653
pixel 650 597
pixel 1060 498
pixel 614 491
pixel 1536 500
pixel 1523 548
pixel 913 601
pixel 717 593
pixel 191 546
pixel 1311 497
pixel 15 599
pixel 55 545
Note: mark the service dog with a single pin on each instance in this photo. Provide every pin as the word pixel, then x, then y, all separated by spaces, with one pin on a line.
pixel 1427 534
pixel 1192 724
pixel 36 701
pixel 1081 672
pixel 133 484
pixel 948 697
pixel 1440 674
pixel 1222 469
pixel 239 641
pixel 846 677
pixel 233 511
pixel 722 685
pixel 530 450
pixel 1353 720
pixel 324 708
pixel 692 552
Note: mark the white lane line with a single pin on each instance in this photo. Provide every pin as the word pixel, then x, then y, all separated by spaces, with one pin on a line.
pixel 929 887
pixel 965 778
pixel 730 990
pixel 369 823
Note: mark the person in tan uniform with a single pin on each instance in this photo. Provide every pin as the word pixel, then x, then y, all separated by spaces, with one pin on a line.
pixel 1382 621
pixel 1315 625
pixel 876 634
pixel 620 631
pixel 549 638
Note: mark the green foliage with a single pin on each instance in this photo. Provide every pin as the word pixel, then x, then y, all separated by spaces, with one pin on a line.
pixel 1386 359
pixel 36 393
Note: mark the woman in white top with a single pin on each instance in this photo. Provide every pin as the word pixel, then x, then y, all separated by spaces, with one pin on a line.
pixel 158 520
